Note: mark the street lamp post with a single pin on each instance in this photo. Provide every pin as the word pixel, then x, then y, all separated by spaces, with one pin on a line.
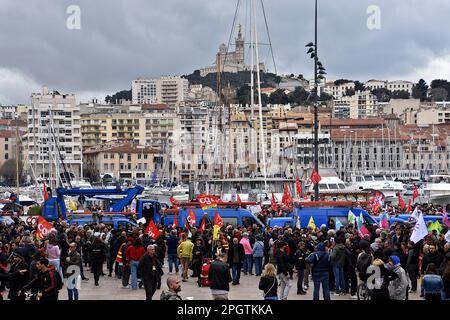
pixel 319 72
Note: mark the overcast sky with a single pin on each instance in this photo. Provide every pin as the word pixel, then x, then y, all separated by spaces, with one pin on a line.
pixel 120 40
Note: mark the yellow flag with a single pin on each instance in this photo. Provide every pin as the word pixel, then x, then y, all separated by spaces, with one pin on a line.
pixel 216 233
pixel 311 223
pixel 72 205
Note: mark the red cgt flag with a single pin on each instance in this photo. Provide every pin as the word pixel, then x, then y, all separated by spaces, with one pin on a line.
pixel 273 205
pixel 44 228
pixel 298 188
pixel 152 230
pixel 239 202
pixel 218 220
pixel 315 177
pixel 415 193
pixel 174 202
pixel 203 224
pixel 401 202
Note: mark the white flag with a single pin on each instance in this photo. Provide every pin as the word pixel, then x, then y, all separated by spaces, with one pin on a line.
pixel 415 214
pixel 420 230
pixel 447 236
pixel 351 217
pixel 142 220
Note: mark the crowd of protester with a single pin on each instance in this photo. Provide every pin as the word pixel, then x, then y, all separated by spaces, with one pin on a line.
pixel 282 258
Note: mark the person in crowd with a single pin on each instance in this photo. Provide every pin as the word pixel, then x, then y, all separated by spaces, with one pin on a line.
pixel 53 252
pixel 248 263
pixel 258 255
pixel 185 250
pixel 220 277
pixel 73 260
pixel 399 287
pixel 134 254
pixel 300 265
pixel 46 282
pixel 172 245
pixel 98 257
pixel 380 292
pixel 320 268
pixel 174 288
pixel 284 270
pixel 150 269
pixel 17 277
pixel 236 256
pixel 268 282
pixel 338 258
pixel 433 256
pixel 432 283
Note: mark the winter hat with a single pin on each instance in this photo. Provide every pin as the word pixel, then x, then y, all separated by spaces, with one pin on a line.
pixel 395 260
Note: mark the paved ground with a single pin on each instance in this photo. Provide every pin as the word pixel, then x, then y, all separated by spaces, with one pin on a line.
pixel 110 289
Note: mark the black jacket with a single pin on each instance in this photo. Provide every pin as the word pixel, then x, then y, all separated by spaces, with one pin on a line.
pixel 149 267
pixel 219 275
pixel 98 252
pixel 231 253
pixel 434 257
pixel 269 285
pixel 283 265
pixel 300 257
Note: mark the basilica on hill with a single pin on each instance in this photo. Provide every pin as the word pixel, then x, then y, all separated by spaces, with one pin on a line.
pixel 233 61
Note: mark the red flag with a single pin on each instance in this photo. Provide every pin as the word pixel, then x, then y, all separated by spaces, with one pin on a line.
pixel 152 230
pixel 239 200
pixel 218 220
pixel 44 228
pixel 207 201
pixel 409 206
pixel 287 198
pixel 274 203
pixel 173 201
pixel 45 192
pixel 363 231
pixel 298 188
pixel 203 224
pixel 175 222
pixel 401 202
pixel 315 177
pixel 415 193
pixel 191 219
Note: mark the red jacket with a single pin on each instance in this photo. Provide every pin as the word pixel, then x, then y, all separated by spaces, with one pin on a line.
pixel 134 253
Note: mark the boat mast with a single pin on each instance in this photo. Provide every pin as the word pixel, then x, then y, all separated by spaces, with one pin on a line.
pixel 261 129
pixel 17 155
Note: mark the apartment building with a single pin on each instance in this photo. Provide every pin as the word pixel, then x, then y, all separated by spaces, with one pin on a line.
pixel 124 161
pixel 149 124
pixel 169 90
pixel 54 136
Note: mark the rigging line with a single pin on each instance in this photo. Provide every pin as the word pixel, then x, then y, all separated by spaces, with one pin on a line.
pixel 268 36
pixel 231 35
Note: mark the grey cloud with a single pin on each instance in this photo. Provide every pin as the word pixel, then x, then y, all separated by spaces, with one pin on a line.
pixel 121 40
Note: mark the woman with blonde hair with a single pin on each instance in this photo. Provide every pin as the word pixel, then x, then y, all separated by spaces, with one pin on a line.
pixel 268 282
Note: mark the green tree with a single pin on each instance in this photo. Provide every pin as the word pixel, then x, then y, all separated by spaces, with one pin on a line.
pixel 400 94
pixel 439 94
pixel 338 82
pixel 349 92
pixel 383 94
pixel 298 96
pixel 278 97
pixel 359 86
pixel 419 90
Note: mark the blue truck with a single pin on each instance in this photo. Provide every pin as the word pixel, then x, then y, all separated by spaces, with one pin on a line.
pixel 320 215
pixel 235 216
pixel 115 200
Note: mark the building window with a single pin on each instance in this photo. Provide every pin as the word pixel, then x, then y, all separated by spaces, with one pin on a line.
pixel 6 156
pixel 105 166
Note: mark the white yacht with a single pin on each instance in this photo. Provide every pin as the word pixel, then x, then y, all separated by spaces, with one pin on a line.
pixel 379 182
pixel 437 189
